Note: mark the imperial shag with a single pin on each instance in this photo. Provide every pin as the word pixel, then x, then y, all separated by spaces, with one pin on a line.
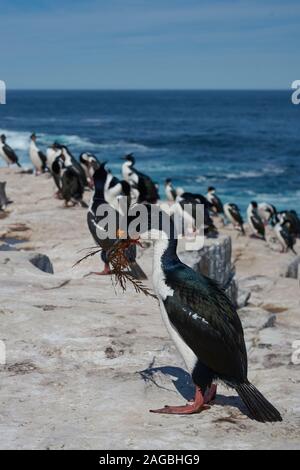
pixel 143 184
pixel 170 190
pixel 37 157
pixel 68 180
pixel 90 164
pixel 112 192
pixel 186 208
pixel 233 214
pixel 266 211
pixel 4 201
pixel 8 153
pixel 205 328
pixel 286 238
pixel 255 222
pixel 214 200
pixel 52 153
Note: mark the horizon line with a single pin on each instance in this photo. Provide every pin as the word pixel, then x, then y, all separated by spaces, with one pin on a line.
pixel 148 89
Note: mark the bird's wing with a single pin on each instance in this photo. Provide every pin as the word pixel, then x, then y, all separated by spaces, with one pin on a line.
pixel 42 157
pixel 146 187
pixel 207 321
pixel 235 213
pixel 216 201
pixel 114 190
pixel 10 153
pixel 258 224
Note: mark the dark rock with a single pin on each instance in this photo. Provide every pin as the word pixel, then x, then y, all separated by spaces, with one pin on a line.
pixel 214 261
pixel 42 262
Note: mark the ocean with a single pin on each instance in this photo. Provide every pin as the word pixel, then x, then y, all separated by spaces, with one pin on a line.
pixel 245 143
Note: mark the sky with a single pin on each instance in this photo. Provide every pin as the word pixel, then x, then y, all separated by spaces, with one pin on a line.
pixel 149 44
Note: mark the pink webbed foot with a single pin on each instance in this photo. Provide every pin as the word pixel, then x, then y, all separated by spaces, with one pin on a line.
pixel 106 271
pixel 192 407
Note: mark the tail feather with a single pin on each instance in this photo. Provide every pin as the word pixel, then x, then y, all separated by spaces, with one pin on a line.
pixel 137 271
pixel 260 409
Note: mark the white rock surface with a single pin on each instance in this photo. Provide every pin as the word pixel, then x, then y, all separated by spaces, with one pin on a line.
pixel 86 362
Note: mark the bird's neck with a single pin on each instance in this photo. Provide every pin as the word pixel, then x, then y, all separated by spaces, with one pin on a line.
pixel 165 253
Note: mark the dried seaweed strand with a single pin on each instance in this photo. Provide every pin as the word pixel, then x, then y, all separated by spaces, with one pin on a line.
pixel 120 266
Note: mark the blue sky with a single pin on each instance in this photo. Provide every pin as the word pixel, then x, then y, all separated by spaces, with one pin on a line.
pixel 149 44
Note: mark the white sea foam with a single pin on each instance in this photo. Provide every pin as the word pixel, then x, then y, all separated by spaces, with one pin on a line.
pixel 19 140
pixel 219 173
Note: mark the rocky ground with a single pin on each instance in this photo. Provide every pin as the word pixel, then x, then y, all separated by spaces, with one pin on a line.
pixel 85 362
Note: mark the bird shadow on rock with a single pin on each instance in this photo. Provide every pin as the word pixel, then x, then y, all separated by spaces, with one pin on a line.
pixel 183 384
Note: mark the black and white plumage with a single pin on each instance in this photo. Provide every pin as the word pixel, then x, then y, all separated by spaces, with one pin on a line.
pixel 90 164
pixel 56 169
pixel 109 191
pixel 266 211
pixel 52 153
pixel 186 208
pixel 214 200
pixel 285 237
pixel 68 181
pixel 255 222
pixel 4 201
pixel 8 154
pixel 70 161
pixel 170 190
pixel 37 157
pixel 291 221
pixel 205 328
pixel 233 214
pixel 143 186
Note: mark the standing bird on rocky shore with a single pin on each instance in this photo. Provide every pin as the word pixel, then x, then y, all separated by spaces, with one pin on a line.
pixel 68 181
pixel 115 194
pixel 52 153
pixel 37 157
pixel 291 220
pixel 70 161
pixel 233 214
pixel 90 164
pixel 4 201
pixel 266 211
pixel 187 208
pixel 255 222
pixel 214 200
pixel 285 237
pixel 204 326
pixel 8 153
pixel 147 190
pixel 170 190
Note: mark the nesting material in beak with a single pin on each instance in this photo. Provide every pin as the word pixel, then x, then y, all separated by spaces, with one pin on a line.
pixel 120 265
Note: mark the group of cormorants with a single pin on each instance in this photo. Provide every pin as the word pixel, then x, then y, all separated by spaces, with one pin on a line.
pixel 73 176
pixel 200 318
pixel 285 224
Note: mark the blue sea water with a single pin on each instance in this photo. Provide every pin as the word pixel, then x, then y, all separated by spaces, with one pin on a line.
pixel 245 143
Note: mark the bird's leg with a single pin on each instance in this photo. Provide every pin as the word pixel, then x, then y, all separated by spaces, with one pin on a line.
pixel 106 271
pixel 210 394
pixel 195 406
